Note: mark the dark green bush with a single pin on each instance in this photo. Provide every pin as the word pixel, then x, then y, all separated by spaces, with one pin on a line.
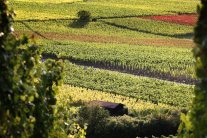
pixel 129 127
pixel 104 126
pixel 95 117
pixel 84 16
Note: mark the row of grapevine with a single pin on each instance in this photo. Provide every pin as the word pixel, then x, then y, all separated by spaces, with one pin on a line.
pixel 141 60
pixel 141 88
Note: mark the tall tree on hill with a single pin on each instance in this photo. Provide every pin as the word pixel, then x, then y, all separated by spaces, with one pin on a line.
pixel 27 86
pixel 195 123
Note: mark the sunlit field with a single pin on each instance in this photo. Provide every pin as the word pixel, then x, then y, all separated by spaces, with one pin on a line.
pixel 128 51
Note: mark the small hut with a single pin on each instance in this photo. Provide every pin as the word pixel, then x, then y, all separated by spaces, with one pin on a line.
pixel 115 109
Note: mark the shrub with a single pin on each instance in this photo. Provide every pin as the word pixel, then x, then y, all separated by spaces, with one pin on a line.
pixel 95 117
pixel 102 126
pixel 128 127
pixel 84 16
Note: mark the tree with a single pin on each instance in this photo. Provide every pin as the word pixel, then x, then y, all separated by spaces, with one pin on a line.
pixel 195 123
pixel 27 86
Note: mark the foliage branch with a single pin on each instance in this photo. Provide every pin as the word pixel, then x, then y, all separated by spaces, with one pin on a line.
pixel 28 86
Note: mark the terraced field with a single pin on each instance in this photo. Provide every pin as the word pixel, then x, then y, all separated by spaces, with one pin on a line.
pixel 137 60
pixel 125 49
pixel 142 88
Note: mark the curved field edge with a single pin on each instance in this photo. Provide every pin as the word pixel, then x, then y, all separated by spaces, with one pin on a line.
pixel 141 88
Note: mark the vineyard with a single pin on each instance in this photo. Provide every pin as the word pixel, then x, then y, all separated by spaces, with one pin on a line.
pixel 163 63
pixel 142 88
pixel 135 52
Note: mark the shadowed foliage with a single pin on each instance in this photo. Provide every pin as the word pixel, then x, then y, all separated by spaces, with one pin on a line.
pixel 194 124
pixel 28 87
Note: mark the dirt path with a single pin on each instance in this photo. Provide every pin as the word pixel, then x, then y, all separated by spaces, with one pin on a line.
pixel 182 43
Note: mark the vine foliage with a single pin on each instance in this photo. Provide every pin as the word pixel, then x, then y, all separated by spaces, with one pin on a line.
pixel 194 124
pixel 27 85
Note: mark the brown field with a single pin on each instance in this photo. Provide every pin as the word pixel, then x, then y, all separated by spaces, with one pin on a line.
pixel 184 19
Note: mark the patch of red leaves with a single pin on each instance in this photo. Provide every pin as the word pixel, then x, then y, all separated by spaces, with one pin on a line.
pixel 185 19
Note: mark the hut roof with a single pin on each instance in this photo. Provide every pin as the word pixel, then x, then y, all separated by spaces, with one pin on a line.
pixel 109 105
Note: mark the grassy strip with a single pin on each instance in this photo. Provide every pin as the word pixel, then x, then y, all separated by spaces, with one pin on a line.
pixel 51 1
pixel 141 88
pixel 127 27
pixel 152 27
pixel 93 28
